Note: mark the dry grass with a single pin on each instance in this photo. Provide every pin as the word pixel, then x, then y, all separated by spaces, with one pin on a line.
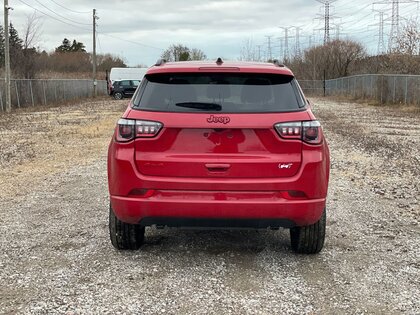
pixel 407 108
pixel 41 143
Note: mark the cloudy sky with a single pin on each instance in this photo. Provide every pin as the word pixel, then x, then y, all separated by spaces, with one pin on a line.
pixel 139 30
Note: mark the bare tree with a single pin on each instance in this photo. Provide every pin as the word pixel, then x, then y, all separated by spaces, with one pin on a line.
pixel 180 52
pixel 409 40
pixel 248 52
pixel 334 59
pixel 32 31
pixel 197 54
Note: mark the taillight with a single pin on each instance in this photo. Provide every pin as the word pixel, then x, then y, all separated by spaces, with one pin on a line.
pixel 128 129
pixel 312 132
pixel 289 130
pixel 308 131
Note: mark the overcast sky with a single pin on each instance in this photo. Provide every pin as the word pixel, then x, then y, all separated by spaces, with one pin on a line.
pixel 139 31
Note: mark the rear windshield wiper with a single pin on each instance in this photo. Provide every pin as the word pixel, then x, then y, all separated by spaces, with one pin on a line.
pixel 200 105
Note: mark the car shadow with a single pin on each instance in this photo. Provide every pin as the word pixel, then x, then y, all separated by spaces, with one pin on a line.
pixel 215 241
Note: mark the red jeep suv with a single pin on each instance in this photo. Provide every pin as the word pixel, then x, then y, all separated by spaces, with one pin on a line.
pixel 218 145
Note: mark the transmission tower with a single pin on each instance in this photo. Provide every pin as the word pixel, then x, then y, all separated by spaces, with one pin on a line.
pixel 326 16
pixel 395 21
pixel 298 51
pixel 338 28
pixel 286 52
pixel 269 50
pixel 280 39
pixel 381 40
pixel 259 52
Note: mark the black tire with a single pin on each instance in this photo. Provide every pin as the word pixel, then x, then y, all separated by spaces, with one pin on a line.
pixel 309 239
pixel 124 235
pixel 118 95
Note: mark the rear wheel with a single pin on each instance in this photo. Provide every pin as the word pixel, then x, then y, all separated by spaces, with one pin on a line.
pixel 124 235
pixel 118 95
pixel 309 239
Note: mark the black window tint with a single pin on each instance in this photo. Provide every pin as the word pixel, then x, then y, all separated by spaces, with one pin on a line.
pixel 235 93
pixel 125 83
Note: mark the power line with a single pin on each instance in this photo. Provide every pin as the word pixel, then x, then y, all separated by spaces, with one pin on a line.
pixel 62 6
pixel 52 17
pixel 63 17
pixel 129 41
pixel 89 30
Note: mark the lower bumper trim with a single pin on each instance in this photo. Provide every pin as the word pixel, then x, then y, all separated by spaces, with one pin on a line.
pixel 234 223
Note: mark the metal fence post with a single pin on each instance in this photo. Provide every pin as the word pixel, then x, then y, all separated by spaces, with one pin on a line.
pixel 17 94
pixel 382 88
pixel 406 90
pixel 44 92
pixel 371 86
pixel 1 101
pixel 32 93
pixel 393 93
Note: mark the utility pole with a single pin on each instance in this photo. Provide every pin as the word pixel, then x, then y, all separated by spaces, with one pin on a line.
pixel 94 53
pixel 326 17
pixel 7 56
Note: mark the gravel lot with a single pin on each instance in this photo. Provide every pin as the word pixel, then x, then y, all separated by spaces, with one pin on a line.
pixel 56 256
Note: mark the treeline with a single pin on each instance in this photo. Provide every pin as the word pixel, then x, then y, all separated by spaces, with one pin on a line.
pixel 29 62
pixel 341 58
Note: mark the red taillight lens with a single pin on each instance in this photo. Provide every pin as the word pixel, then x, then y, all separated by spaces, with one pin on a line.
pixel 128 129
pixel 308 131
pixel 311 132
pixel 289 130
pixel 125 130
pixel 147 129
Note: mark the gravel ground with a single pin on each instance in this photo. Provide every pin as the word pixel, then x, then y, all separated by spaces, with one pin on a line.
pixel 56 256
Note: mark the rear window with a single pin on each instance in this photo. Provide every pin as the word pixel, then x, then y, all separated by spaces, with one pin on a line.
pixel 219 92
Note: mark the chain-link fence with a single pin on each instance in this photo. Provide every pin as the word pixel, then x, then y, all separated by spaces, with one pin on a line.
pixel 397 89
pixel 312 87
pixel 403 89
pixel 26 93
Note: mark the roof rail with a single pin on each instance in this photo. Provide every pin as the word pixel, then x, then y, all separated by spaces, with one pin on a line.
pixel 160 62
pixel 277 63
pixel 219 61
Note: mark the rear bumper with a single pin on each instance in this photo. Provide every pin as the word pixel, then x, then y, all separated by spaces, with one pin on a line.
pixel 217 209
pixel 183 201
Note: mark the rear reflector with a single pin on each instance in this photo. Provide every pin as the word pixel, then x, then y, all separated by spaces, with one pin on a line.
pixel 308 131
pixel 128 129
